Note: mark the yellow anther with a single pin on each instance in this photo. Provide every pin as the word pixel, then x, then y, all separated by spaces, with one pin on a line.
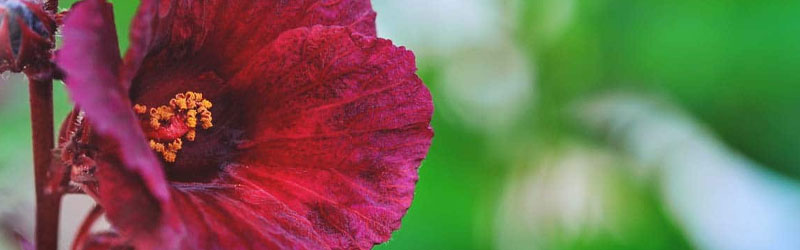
pixel 154 123
pixel 162 113
pixel 175 145
pixel 140 109
pixel 191 135
pixel 190 107
pixel 191 122
pixel 206 104
pixel 194 97
pixel 166 112
pixel 206 121
pixel 179 102
pixel 173 103
pixel 158 147
pixel 169 156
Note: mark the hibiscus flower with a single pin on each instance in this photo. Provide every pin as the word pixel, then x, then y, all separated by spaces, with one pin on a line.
pixel 234 124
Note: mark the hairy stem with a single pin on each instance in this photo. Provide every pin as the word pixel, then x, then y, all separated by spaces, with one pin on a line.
pixel 48 204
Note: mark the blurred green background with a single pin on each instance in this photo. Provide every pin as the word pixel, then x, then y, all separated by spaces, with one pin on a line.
pixel 576 124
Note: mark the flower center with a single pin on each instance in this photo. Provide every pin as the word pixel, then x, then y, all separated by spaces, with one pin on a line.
pixel 167 124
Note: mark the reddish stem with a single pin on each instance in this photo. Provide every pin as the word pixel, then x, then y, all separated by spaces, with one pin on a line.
pixel 85 229
pixel 48 204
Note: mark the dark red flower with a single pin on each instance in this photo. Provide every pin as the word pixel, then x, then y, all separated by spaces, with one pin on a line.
pixel 278 124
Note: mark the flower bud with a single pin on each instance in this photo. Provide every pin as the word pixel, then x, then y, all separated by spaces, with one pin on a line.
pixel 26 35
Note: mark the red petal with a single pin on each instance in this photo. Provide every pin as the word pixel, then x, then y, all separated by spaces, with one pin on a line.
pixel 128 204
pixel 336 125
pixel 90 60
pixel 222 35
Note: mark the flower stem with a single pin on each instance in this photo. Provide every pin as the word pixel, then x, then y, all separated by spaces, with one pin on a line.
pixel 84 230
pixel 48 205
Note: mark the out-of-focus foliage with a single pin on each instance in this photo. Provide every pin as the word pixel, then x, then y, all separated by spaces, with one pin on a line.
pixel 733 64
pixel 512 168
pixel 574 197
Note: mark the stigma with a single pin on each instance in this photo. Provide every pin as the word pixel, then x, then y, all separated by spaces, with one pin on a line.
pixel 167 126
